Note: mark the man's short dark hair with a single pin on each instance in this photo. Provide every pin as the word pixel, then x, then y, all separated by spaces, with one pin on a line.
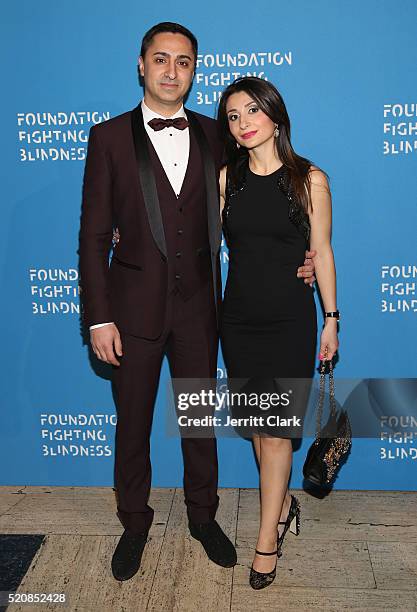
pixel 168 26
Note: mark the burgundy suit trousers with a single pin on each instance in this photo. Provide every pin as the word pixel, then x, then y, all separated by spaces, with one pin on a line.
pixel 189 340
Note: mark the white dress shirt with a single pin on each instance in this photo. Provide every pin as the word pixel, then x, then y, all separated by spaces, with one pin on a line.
pixel 172 147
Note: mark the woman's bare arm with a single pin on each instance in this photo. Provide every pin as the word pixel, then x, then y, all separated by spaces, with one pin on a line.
pixel 320 241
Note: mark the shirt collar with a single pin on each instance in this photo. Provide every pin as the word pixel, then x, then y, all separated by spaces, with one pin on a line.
pixel 149 114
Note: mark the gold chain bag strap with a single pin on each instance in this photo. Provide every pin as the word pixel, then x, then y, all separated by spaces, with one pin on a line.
pixel 332 443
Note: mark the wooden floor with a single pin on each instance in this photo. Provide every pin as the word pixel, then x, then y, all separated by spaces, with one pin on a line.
pixel 357 550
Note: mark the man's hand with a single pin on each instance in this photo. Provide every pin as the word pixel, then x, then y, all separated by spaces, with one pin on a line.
pixel 307 270
pixel 106 343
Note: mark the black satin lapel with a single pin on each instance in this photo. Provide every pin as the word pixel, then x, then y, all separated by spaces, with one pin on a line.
pixel 147 180
pixel 213 215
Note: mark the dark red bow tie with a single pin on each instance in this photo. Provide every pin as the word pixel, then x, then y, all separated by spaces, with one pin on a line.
pixel 159 124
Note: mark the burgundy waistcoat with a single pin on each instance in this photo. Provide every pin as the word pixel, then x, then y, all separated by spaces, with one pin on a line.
pixel 185 224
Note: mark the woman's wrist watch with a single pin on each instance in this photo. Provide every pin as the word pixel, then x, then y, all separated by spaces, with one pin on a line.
pixel 335 314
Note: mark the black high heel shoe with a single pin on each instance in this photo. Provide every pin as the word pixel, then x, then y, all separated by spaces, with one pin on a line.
pixel 260 580
pixel 292 523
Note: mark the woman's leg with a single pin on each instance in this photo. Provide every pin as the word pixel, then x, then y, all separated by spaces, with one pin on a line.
pixel 256 440
pixel 275 457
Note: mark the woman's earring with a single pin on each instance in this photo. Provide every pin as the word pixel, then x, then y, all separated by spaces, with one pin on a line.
pixel 276 131
pixel 238 145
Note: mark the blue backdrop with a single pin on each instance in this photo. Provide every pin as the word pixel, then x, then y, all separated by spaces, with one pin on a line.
pixel 347 72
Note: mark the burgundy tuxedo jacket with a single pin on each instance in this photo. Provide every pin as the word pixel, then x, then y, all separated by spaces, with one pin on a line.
pixel 125 187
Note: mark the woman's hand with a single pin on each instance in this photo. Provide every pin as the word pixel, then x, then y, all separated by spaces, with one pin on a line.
pixel 116 236
pixel 329 342
pixel 222 184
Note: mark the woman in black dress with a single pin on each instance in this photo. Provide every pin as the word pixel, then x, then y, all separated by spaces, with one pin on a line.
pixel 274 205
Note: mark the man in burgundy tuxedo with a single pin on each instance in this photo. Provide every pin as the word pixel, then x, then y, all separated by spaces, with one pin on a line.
pixel 153 174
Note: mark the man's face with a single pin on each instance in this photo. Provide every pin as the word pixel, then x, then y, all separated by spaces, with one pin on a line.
pixel 168 69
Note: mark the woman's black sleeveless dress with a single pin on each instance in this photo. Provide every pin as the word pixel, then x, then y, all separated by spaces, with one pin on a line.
pixel 268 324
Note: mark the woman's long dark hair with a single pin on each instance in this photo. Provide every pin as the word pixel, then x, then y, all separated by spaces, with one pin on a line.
pixel 271 103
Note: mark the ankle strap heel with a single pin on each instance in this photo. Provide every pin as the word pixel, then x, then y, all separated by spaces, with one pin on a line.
pixel 292 523
pixel 260 580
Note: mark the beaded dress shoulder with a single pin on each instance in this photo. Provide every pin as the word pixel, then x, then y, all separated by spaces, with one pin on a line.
pixel 296 212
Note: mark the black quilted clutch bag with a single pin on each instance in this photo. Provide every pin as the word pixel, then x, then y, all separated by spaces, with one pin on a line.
pixel 333 442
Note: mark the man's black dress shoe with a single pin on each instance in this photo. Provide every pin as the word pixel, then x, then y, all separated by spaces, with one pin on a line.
pixel 216 543
pixel 128 554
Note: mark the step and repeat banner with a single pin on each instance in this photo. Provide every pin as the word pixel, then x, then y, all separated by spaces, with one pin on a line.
pixel 347 72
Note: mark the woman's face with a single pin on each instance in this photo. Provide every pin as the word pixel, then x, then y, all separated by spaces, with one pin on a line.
pixel 248 124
